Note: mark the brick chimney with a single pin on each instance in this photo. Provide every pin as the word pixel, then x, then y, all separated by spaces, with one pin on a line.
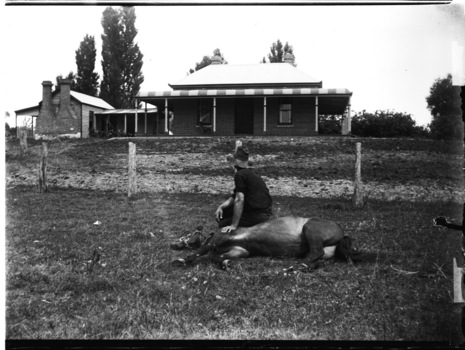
pixel 216 60
pixel 65 92
pixel 289 58
pixel 46 95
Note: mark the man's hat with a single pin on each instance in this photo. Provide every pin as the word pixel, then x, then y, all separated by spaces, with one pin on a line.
pixel 242 153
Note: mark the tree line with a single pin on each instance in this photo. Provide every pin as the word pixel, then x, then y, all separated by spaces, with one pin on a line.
pixel 122 61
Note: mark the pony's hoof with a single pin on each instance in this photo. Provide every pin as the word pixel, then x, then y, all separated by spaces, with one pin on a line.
pixel 313 266
pixel 226 265
pixel 178 263
pixel 177 245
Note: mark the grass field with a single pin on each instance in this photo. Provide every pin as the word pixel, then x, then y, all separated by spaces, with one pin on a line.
pixel 55 290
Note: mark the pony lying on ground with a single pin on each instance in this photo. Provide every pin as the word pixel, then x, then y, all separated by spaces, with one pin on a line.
pixel 309 238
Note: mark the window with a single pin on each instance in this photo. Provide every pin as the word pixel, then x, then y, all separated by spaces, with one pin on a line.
pixel 285 116
pixel 205 111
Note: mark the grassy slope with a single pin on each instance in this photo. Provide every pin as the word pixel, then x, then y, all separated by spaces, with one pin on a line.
pixel 132 293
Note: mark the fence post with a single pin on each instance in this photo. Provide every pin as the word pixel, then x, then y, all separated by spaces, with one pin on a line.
pixel 43 169
pixel 358 191
pixel 457 319
pixel 23 141
pixel 132 185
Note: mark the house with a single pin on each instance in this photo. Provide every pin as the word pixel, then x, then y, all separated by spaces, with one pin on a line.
pixel 254 99
pixel 74 114
pixel 67 112
pixel 64 112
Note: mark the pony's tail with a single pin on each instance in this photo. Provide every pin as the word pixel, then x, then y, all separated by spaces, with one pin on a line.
pixel 344 249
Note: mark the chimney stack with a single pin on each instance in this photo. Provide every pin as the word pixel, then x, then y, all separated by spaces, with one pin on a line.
pixel 65 92
pixel 216 60
pixel 289 58
pixel 46 95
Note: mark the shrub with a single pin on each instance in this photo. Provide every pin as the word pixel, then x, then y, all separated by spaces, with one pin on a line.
pixel 444 103
pixel 330 124
pixel 13 131
pixel 386 124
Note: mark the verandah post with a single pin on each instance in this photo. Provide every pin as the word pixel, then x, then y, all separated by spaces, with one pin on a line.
pixel 145 116
pixel 214 114
pixel 264 113
pixel 135 119
pixel 358 191
pixel 166 115
pixel 132 182
pixel 316 114
pixel 43 169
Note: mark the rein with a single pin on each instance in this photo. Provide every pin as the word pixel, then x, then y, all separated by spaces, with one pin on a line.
pixel 185 238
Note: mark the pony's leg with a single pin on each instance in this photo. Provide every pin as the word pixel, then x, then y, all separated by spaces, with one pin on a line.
pixel 234 253
pixel 315 246
pixel 192 258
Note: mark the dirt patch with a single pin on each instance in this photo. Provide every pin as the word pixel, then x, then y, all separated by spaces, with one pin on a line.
pixel 305 167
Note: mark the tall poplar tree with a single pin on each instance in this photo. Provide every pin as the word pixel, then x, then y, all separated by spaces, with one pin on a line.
pixel 121 58
pixel 132 57
pixel 86 78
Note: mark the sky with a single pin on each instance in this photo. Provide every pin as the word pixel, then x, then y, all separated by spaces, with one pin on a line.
pixel 388 56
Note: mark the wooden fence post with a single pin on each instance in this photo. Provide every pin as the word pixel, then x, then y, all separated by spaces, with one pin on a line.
pixel 43 169
pixel 132 185
pixel 457 319
pixel 23 141
pixel 358 191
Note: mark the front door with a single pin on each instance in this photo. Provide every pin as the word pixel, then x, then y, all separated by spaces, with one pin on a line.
pixel 243 118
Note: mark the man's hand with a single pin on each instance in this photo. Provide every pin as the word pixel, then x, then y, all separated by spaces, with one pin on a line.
pixel 228 229
pixel 218 214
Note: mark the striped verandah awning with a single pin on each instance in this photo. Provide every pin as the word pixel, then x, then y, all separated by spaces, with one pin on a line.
pixel 331 101
pixel 143 95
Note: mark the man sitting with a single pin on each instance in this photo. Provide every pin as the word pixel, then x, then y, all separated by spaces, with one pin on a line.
pixel 249 204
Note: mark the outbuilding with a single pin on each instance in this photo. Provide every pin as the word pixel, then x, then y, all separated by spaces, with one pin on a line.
pixel 64 112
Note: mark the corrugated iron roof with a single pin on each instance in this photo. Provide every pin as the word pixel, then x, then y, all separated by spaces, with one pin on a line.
pixel 246 74
pixel 91 100
pixel 244 92
pixel 34 111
